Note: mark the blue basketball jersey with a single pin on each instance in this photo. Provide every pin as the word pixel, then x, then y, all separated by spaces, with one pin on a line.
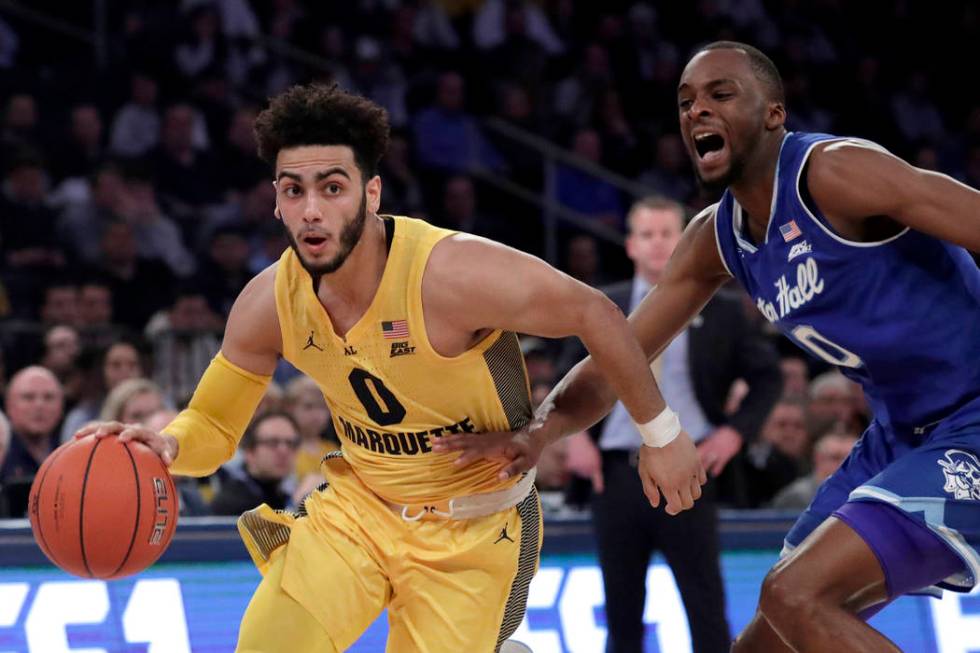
pixel 900 316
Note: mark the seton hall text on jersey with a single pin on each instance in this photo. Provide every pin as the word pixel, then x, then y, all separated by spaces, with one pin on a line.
pixel 808 285
pixel 399 443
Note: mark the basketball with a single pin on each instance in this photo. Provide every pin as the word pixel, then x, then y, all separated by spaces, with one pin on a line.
pixel 101 508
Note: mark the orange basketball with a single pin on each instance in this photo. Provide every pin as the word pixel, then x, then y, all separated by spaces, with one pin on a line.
pixel 103 508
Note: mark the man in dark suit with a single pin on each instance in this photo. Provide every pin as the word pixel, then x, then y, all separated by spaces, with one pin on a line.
pixel 695 373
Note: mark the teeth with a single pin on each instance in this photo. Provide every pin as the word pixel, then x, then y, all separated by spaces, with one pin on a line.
pixel 703 136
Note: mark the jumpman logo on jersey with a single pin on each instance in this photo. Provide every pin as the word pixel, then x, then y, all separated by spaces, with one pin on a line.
pixel 310 343
pixel 503 535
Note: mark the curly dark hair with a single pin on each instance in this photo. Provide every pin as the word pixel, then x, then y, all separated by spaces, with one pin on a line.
pixel 324 115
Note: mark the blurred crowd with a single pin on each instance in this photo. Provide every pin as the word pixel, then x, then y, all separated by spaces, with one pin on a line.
pixel 133 207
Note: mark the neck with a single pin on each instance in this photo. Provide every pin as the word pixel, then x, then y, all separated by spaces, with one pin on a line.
pixel 357 280
pixel 652 277
pixel 37 445
pixel 754 190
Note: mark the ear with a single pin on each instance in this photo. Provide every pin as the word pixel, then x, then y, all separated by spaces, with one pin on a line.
pixel 775 116
pixel 275 211
pixel 372 193
pixel 630 247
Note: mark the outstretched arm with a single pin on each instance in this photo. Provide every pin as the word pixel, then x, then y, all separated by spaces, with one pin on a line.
pixel 693 275
pixel 618 366
pixel 852 181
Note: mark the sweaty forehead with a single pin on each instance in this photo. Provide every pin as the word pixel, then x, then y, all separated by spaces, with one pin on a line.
pixel 713 65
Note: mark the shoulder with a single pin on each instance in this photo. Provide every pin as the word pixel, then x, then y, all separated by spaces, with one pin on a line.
pixel 458 257
pixel 254 319
pixel 260 292
pixel 833 161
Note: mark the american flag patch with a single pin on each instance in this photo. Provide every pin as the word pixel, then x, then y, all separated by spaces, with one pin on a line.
pixel 395 329
pixel 790 231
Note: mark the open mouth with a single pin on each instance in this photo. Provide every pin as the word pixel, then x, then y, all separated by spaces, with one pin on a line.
pixel 314 242
pixel 707 143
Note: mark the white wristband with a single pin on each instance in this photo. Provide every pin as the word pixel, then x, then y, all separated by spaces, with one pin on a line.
pixel 661 430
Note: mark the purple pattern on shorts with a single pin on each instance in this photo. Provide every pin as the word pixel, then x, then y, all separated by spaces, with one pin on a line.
pixel 911 556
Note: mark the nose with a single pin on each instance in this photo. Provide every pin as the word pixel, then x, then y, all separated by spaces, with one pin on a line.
pixel 311 210
pixel 699 108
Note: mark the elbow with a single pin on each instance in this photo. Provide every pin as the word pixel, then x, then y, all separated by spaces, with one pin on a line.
pixel 599 317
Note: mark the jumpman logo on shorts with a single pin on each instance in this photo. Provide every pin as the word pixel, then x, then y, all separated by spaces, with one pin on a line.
pixel 310 343
pixel 503 535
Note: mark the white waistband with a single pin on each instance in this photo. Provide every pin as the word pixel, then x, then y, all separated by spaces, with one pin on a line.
pixel 471 506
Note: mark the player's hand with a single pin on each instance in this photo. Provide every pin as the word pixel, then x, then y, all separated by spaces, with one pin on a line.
pixel 164 446
pixel 718 448
pixel 674 470
pixel 583 460
pixel 517 451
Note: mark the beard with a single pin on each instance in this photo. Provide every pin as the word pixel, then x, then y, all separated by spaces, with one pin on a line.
pixel 716 186
pixel 350 235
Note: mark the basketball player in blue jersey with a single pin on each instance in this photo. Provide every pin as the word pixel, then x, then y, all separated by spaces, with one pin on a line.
pixel 861 260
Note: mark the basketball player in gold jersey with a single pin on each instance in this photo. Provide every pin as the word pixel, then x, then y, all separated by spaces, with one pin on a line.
pixel 409 331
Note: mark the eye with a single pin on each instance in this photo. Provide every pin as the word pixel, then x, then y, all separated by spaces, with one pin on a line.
pixel 333 189
pixel 684 105
pixel 292 191
pixel 722 95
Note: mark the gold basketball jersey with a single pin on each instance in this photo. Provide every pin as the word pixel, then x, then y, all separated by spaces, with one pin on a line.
pixel 390 393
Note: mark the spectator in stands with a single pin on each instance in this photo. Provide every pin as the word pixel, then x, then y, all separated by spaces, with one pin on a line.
pixel 136 127
pixel 132 402
pixel 61 303
pixel 139 286
pixel 828 453
pixel 185 337
pixel 582 260
pixel 779 456
pixel 447 138
pixel 83 149
pixel 94 303
pixel 225 271
pixel 402 194
pixel 619 139
pixel 268 448
pixel 185 174
pixel 157 236
pixel 576 96
pixel 34 408
pixel 832 404
pixel 103 370
pixel 584 192
pixel 378 78
pixel 670 174
pixel 241 167
pixel 695 373
pixel 203 45
pixel 518 56
pixel 796 381
pixel 61 348
pixel 21 128
pixel 304 401
pixel 28 226
pixel 81 223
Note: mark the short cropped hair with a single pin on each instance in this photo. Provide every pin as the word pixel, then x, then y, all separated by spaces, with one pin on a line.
pixel 656 203
pixel 324 115
pixel 763 67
